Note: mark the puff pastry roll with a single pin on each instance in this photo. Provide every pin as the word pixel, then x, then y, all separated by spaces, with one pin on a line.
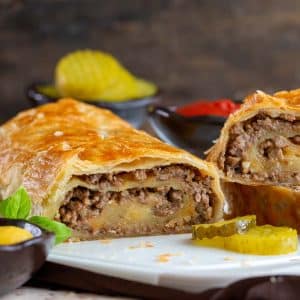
pixel 275 205
pixel 91 170
pixel 260 143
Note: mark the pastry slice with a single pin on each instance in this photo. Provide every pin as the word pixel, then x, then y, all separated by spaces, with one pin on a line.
pixel 275 205
pixel 89 169
pixel 260 143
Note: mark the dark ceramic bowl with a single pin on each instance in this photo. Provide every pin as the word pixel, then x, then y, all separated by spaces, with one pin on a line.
pixel 194 134
pixel 134 111
pixel 19 261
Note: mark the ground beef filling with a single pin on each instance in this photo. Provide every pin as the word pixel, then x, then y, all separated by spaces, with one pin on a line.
pixel 82 203
pixel 256 133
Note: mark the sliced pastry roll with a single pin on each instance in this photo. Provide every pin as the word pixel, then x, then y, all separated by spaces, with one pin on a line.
pixel 275 205
pixel 91 170
pixel 260 143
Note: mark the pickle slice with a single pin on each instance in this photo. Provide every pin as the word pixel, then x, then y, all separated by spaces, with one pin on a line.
pixel 48 90
pixel 95 75
pixel 265 240
pixel 260 240
pixel 223 228
pixel 142 89
pixel 145 88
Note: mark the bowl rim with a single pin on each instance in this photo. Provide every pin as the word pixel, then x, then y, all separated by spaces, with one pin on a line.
pixel 45 236
pixel 39 98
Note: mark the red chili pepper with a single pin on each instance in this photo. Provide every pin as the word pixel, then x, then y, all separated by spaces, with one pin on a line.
pixel 220 107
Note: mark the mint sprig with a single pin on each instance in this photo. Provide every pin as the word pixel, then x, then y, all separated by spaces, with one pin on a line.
pixel 18 206
pixel 62 232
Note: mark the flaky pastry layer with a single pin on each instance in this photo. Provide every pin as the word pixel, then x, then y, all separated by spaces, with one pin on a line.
pixel 260 143
pixel 48 148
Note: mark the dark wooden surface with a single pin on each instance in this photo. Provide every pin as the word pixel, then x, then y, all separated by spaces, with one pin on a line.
pixel 191 49
pixel 265 288
pixel 56 276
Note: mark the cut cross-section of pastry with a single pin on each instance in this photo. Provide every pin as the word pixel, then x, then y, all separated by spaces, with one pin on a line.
pixel 260 143
pixel 274 205
pixel 89 169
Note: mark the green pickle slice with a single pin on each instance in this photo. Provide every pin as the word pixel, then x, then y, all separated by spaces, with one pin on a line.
pixel 224 228
pixel 48 90
pixel 259 240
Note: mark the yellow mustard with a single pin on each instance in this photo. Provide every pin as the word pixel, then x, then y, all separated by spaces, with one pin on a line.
pixel 10 235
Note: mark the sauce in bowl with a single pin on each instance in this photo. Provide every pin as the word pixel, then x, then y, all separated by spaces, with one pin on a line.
pixel 10 235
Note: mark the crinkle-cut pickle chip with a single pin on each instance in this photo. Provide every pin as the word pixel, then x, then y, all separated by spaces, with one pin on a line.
pixel 95 75
pixel 48 90
pixel 142 89
pixel 259 240
pixel 10 235
pixel 223 228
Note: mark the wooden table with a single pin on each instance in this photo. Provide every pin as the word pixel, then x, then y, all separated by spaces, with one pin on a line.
pixel 27 293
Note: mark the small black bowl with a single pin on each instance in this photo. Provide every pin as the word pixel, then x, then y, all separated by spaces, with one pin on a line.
pixel 134 110
pixel 194 134
pixel 19 261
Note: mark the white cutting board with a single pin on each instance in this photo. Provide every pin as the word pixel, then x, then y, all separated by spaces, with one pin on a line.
pixel 170 261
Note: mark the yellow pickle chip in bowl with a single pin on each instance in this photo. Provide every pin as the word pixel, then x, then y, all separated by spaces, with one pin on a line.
pixel 95 75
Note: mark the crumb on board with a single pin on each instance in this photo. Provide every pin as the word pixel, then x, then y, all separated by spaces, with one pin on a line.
pixel 105 241
pixel 142 244
pixel 72 239
pixel 165 257
pixel 228 258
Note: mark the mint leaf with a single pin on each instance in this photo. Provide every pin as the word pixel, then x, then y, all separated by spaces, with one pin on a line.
pixel 61 231
pixel 17 206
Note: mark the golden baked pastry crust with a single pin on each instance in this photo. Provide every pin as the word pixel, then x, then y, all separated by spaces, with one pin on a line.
pixel 275 205
pixel 283 105
pixel 44 148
